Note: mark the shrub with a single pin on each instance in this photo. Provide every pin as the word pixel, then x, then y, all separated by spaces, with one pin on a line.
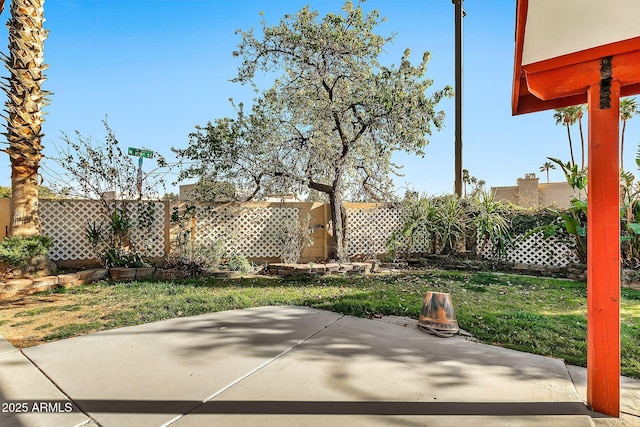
pixel 197 260
pixel 435 224
pixel 17 251
pixel 524 221
pixel 295 239
pixel 444 224
pixel 491 224
pixel 113 257
pixel 238 263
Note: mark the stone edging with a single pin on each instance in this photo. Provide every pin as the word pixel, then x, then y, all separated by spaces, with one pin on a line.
pixel 571 271
pixel 12 288
pixel 18 287
pixel 281 269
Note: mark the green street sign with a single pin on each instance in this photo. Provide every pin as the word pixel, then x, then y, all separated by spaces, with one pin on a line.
pixel 139 152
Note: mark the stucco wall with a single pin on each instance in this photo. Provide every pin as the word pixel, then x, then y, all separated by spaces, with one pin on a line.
pixel 530 193
pixel 555 193
pixel 5 216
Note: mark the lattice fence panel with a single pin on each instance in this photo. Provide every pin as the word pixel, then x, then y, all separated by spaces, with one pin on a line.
pixel 254 232
pixel 65 221
pixel 149 237
pixel 369 229
pixel 538 250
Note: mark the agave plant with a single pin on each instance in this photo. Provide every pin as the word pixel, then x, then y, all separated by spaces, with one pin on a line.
pixel 418 227
pixel 450 224
pixel 25 102
pixel 492 224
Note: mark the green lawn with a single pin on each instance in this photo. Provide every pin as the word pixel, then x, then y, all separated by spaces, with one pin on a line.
pixel 536 315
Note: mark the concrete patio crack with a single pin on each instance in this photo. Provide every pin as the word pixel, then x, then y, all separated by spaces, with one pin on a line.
pixel 251 372
pixel 89 417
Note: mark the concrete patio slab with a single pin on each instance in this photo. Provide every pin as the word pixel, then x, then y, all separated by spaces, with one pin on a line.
pixel 6 347
pixel 629 398
pixel 293 366
pixel 28 398
pixel 372 373
pixel 149 374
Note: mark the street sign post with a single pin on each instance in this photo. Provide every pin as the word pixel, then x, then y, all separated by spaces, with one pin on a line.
pixel 139 152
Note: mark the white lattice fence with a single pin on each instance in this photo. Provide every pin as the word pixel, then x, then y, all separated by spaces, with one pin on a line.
pixel 65 222
pixel 254 232
pixel 538 250
pixel 369 229
pixel 149 234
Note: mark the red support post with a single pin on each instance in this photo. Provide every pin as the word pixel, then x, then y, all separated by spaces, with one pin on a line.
pixel 603 255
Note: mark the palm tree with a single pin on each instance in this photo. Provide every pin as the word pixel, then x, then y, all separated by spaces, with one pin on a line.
pixel 580 109
pixel 466 179
pixel 628 108
pixel 24 107
pixel 546 167
pixel 568 116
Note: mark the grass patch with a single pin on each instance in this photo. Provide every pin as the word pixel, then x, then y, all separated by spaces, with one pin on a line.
pixel 67 331
pixel 536 315
pixel 45 326
pixel 71 307
pixel 23 323
pixel 35 311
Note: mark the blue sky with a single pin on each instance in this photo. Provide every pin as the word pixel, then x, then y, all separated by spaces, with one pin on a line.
pixel 157 68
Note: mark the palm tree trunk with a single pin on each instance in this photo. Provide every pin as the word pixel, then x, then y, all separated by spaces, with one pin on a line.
pixel 24 201
pixel 581 142
pixel 24 107
pixel 624 125
pixel 573 162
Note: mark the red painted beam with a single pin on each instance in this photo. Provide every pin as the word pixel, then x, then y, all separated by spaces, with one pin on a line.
pixel 603 255
pixel 571 80
pixel 620 48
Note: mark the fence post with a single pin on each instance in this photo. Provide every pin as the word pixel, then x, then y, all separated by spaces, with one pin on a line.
pixel 325 247
pixel 167 228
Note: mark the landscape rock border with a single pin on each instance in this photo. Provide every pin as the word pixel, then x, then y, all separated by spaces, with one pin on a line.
pixel 316 269
pixel 15 288
pixel 18 287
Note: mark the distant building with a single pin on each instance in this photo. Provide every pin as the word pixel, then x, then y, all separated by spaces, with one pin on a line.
pixel 283 198
pixel 529 193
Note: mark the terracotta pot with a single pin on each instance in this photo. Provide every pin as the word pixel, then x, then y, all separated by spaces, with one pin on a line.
pixel 437 315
